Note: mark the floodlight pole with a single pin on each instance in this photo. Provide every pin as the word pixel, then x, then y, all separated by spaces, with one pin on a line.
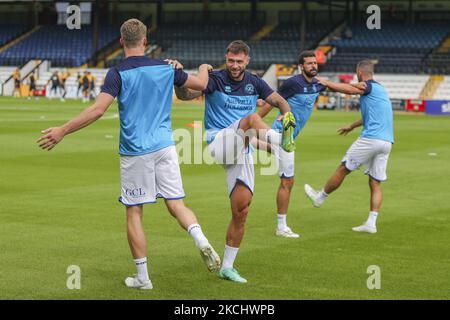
pixel 411 12
pixel 355 11
pixel 159 12
pixel 95 31
pixel 253 9
pixel 35 14
pixel 303 27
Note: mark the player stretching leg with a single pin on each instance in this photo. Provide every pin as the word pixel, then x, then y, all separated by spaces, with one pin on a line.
pixel 371 149
pixel 301 92
pixel 230 106
pixel 149 166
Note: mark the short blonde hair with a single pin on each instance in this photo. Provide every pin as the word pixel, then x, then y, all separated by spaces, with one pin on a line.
pixel 366 67
pixel 132 32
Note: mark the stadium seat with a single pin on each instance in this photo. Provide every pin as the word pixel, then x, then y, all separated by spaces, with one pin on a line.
pixel 397 48
pixel 9 32
pixel 64 47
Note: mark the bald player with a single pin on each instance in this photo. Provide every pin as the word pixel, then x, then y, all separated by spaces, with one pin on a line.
pixel 371 149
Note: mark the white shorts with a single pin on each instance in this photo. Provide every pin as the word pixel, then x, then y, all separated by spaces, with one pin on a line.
pixel 372 153
pixel 228 149
pixel 150 176
pixel 285 162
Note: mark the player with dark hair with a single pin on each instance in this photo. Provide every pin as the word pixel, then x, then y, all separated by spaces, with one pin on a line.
pixel 54 80
pixel 301 91
pixel 91 78
pixel 62 83
pixel 32 88
pixel 16 76
pixel 230 123
pixel 86 87
pixel 80 83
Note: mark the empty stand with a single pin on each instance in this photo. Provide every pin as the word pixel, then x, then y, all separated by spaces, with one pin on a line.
pixel 395 47
pixel 62 46
pixel 9 32
pixel 196 44
pixel 402 86
pixel 443 91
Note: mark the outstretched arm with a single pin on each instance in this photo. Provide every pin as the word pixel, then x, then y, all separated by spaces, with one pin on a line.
pixel 341 87
pixel 52 136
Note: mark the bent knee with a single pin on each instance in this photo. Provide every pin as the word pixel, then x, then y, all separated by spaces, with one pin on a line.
pixel 287 183
pixel 254 117
pixel 240 215
pixel 343 169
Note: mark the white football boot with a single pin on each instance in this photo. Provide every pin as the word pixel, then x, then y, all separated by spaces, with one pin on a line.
pixel 286 233
pixel 134 282
pixel 365 228
pixel 313 195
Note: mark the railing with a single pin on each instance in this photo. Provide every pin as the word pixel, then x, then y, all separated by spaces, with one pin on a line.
pixel 27 69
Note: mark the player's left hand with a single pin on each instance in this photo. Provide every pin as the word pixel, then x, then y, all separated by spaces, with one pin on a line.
pixel 52 136
pixel 260 102
pixel 175 63
pixel 345 130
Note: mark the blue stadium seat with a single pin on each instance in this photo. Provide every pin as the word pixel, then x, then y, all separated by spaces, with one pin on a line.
pixel 64 47
pixel 396 47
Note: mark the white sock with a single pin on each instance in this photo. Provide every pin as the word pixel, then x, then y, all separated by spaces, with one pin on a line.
pixel 273 137
pixel 281 221
pixel 141 265
pixel 372 219
pixel 322 195
pixel 197 234
pixel 229 256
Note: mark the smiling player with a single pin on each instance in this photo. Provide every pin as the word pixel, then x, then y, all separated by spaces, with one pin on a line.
pixel 230 107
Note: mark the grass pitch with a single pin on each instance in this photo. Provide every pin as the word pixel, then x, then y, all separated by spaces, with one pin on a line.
pixel 60 208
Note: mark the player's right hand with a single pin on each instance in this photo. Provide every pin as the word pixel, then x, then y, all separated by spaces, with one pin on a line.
pixel 175 63
pixel 52 136
pixel 344 130
pixel 207 66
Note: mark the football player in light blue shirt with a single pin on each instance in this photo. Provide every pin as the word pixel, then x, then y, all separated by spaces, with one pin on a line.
pixel 148 160
pixel 373 146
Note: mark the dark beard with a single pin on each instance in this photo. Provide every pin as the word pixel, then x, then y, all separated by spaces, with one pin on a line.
pixel 231 76
pixel 309 74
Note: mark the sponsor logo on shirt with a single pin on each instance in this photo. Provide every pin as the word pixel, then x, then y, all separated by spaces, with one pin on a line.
pixel 241 103
pixel 249 88
pixel 227 89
